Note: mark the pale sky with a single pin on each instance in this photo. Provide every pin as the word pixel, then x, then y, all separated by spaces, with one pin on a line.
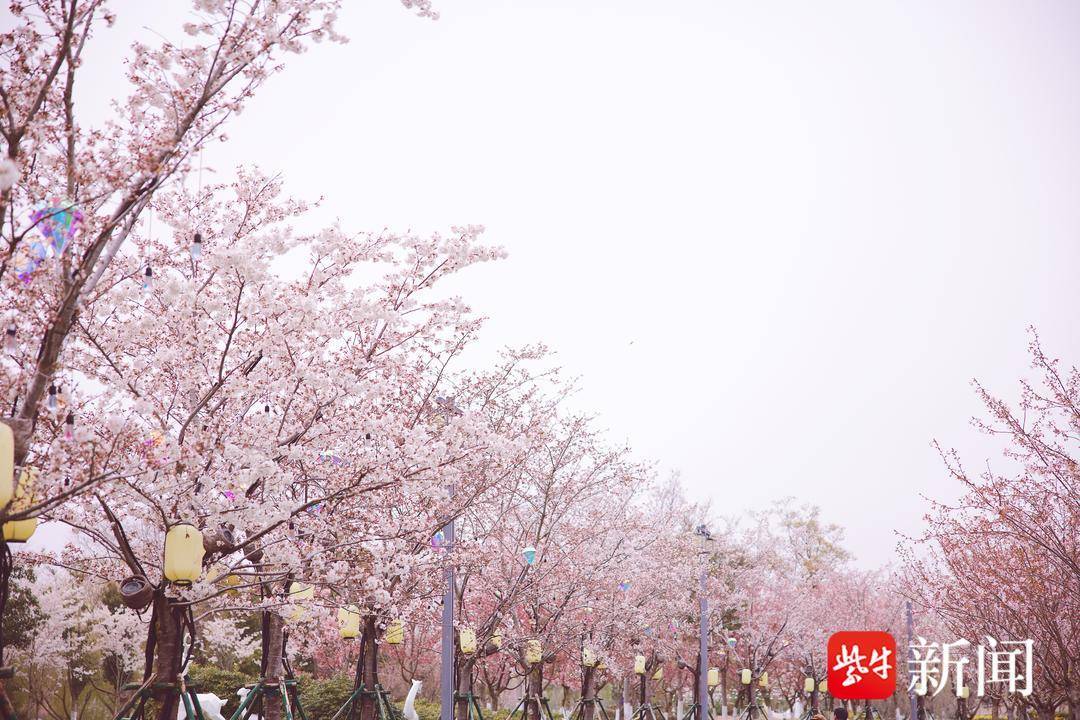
pixel 775 240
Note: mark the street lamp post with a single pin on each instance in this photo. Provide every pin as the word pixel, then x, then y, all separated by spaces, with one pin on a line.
pixel 446 677
pixel 447 407
pixel 703 641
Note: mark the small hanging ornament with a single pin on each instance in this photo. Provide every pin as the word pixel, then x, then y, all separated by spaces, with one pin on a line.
pixel 69 427
pixel 148 279
pixel 624 585
pixel 51 402
pixel 196 246
pixel 639 664
pixel 530 555
pixel 713 678
pixel 10 341
pixel 438 541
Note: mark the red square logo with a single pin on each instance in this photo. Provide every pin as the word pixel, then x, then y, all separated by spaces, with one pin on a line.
pixel 862 665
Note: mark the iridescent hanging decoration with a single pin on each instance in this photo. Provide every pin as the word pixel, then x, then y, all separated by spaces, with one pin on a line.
pixel 438 541
pixel 57 221
pixel 624 585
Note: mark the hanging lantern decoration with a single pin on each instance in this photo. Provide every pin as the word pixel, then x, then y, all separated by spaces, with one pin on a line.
pixel 299 591
pixel 183 554
pixel 534 652
pixel 530 554
pixel 963 692
pixel 588 657
pixel 19 531
pixel 148 279
pixel 196 246
pixel 731 643
pixel 823 687
pixel 624 585
pixel 11 342
pixel 659 674
pixel 69 427
pixel 51 403
pixel 220 571
pixel 713 678
pixel 601 666
pixel 763 681
pixel 348 620
pixel 808 685
pixel 639 664
pixel 745 676
pixel 7 465
pixel 395 633
pixel 496 639
pixel 467 640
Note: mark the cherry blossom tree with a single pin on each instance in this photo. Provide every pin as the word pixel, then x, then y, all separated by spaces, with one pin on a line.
pixel 1003 561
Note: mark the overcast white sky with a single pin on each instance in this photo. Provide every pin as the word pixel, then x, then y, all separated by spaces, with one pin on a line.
pixel 775 240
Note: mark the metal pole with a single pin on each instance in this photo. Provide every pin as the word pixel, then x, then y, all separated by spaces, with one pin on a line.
pixel 446 677
pixel 703 653
pixel 910 641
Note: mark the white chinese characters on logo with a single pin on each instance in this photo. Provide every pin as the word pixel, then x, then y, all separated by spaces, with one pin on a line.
pixel 855 663
pixel 935 666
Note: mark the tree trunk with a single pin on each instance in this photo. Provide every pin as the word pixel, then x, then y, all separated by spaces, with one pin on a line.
pixel 815 701
pixel 369 669
pixel 273 672
pixel 168 656
pixel 588 692
pixel 751 705
pixel 7 712
pixel 534 690
pixel 464 681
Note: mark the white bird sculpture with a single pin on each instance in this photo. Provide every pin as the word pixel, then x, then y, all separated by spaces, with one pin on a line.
pixel 243 693
pixel 409 708
pixel 209 702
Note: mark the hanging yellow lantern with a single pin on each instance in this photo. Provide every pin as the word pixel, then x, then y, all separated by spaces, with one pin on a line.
pixel 183 554
pixel 601 665
pixel 745 676
pixel 7 465
pixel 19 531
pixel 659 674
pixel 219 571
pixel 763 681
pixel 300 592
pixel 348 620
pixel 496 639
pixel 467 640
pixel 588 657
pixel 395 633
pixel 639 664
pixel 713 678
pixel 964 692
pixel 808 685
pixel 534 652
pixel 823 686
